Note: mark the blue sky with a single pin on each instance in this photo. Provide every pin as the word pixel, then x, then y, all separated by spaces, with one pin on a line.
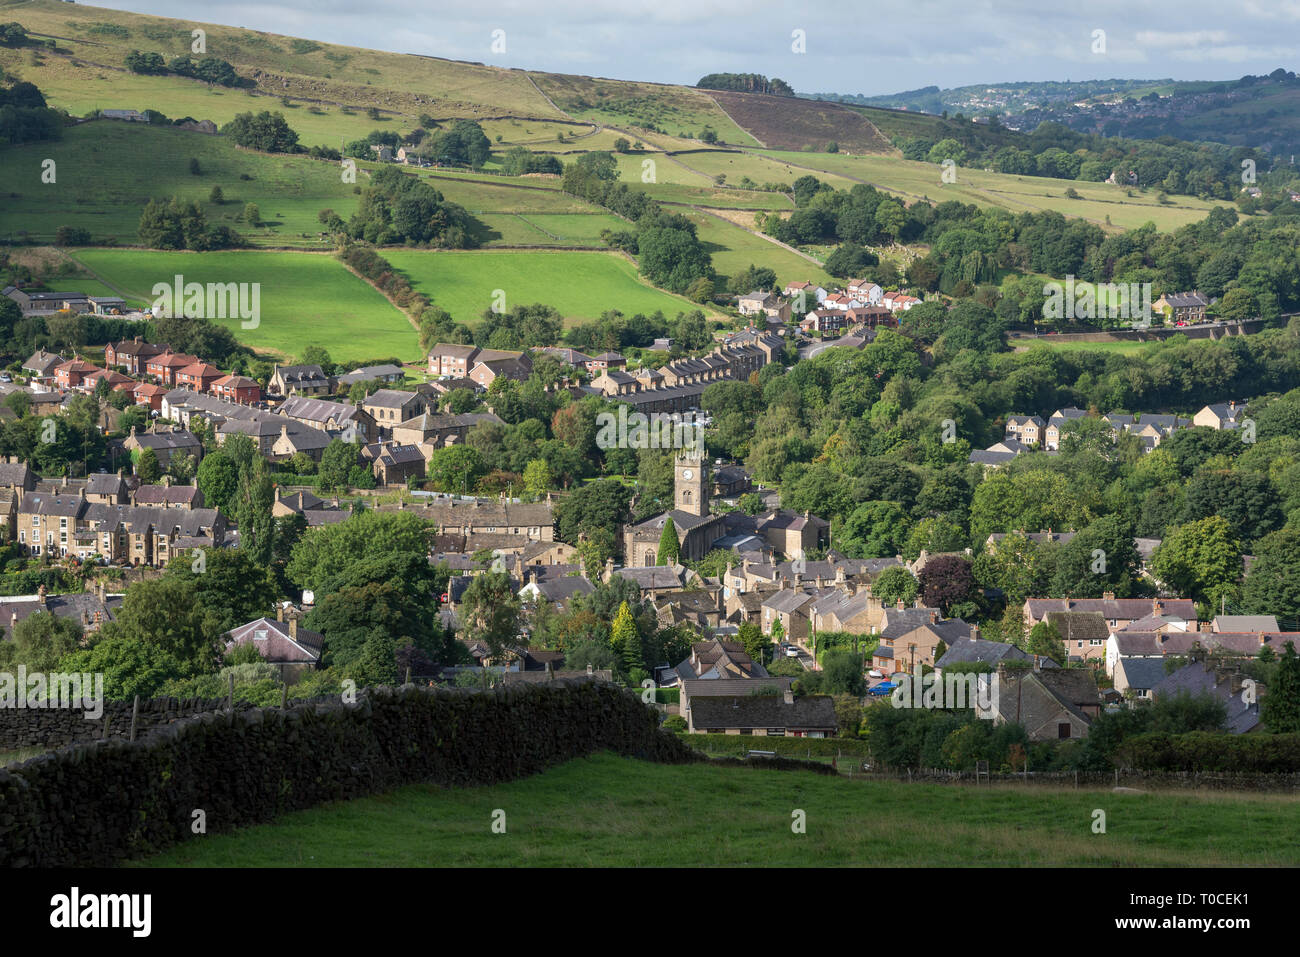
pixel 849 48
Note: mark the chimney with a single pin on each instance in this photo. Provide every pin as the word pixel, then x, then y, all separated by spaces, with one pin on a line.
pixel 1156 606
pixel 590 669
pixel 1108 596
pixel 279 611
pixel 293 627
pixel 934 616
pixel 788 697
pixel 900 604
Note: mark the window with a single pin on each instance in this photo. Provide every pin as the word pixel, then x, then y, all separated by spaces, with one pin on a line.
pixel 1063 730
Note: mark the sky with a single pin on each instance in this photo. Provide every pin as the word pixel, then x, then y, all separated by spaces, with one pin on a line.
pixel 846 47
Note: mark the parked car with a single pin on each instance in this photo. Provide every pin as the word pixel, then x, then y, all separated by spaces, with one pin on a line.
pixel 874 673
pixel 884 688
pixel 791 651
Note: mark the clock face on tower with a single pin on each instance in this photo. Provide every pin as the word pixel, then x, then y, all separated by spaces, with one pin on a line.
pixel 688 474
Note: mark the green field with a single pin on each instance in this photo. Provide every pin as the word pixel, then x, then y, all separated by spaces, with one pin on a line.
pixel 1119 348
pixel 581 285
pixel 913 180
pixel 734 250
pixel 607 811
pixel 307 299
pixel 99 185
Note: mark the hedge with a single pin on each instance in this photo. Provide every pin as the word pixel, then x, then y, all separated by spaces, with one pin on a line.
pixel 97 804
pixel 1209 751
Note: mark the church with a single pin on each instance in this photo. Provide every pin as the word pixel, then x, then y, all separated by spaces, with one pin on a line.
pixel 697 530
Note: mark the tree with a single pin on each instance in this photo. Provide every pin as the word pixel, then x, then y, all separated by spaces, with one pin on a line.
pixel 625 639
pixel 492 613
pixel 252 215
pixel 1273 585
pixel 848 714
pixel 40 640
pixel 537 477
pixel 1281 706
pixel 217 196
pixel 669 546
pixel 327 554
pixel 336 465
pixel 1044 639
pixel 895 584
pixel 1201 560
pixel 947 580
pixel 456 468
pixel 147 467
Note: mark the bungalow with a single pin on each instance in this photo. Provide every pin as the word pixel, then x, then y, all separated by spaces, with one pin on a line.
pixel 293 650
pixel 42 364
pixel 386 373
pixel 770 715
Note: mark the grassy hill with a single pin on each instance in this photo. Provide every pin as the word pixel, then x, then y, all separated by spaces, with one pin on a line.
pixel 611 811
pixel 581 285
pixel 306 298
pixel 99 186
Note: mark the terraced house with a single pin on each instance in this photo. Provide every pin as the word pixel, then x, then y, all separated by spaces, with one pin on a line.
pixel 71 524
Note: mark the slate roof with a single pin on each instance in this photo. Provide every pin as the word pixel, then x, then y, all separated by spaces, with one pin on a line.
pixel 1079 625
pixel 1142 673
pixel 277 645
pixel 969 650
pixel 1197 679
pixel 809 713
pixel 1229 623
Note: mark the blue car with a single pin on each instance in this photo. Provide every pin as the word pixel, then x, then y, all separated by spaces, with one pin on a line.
pixel 884 688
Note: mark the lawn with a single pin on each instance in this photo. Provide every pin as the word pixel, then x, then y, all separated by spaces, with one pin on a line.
pixel 307 299
pixel 581 285
pixel 608 811
pixel 107 170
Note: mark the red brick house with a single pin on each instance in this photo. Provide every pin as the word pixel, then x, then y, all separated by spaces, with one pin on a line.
pixel 132 354
pixel 197 376
pixel 72 374
pixel 146 393
pixel 237 388
pixel 166 366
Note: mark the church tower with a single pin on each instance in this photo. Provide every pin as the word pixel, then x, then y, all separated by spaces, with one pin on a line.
pixel 691 484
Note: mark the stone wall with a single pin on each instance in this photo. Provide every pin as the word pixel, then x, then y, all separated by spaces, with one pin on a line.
pixel 52 728
pixel 98 803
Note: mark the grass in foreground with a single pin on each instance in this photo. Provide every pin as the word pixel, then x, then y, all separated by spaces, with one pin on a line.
pixel 611 811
